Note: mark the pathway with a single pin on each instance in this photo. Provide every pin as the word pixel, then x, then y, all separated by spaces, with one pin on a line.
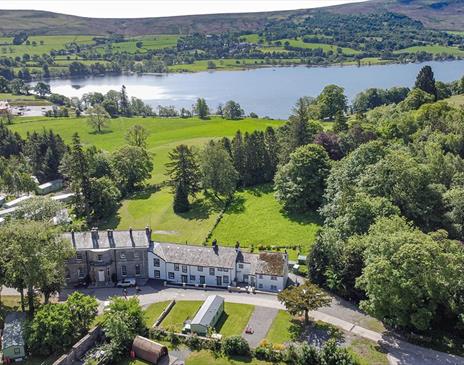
pixel 260 322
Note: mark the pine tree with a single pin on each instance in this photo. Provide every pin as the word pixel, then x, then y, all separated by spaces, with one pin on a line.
pixel 426 81
pixel 238 156
pixel 272 151
pixel 184 177
pixel 124 104
pixel 340 122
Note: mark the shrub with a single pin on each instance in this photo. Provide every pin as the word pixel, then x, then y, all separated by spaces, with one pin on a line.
pixel 235 345
pixel 193 342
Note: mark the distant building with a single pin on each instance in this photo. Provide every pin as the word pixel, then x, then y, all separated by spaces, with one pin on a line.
pixel 18 201
pixel 4 107
pixel 208 315
pixel 50 187
pixel 13 343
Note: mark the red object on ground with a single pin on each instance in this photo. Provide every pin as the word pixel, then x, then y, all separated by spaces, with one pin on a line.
pixel 132 354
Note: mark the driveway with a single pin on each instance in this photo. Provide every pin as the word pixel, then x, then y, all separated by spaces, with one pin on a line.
pixel 260 322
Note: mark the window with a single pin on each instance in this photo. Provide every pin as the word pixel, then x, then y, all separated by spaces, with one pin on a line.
pixel 240 266
pixel 171 275
pixel 136 255
pixel 273 288
pixel 99 258
pixel 219 269
pixel 123 270
pixel 156 262
pixel 211 271
pixel 122 255
pixel 200 268
pixel 202 280
pixel 225 279
pixel 17 350
pixel 245 278
pixel 184 268
pixel 192 278
pixel 260 276
pixel 176 267
pixel 273 277
pixel 80 273
pixel 260 286
pixel 225 270
pixel 68 274
pixel 79 257
pixel 137 269
pixel 157 274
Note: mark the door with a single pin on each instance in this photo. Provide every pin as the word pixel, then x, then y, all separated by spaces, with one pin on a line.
pixel 101 275
pixel 184 278
pixel 219 280
pixel 202 280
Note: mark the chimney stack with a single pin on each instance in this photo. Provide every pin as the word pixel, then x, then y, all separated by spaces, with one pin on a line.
pixel 73 238
pixel 148 233
pixel 110 237
pixel 94 234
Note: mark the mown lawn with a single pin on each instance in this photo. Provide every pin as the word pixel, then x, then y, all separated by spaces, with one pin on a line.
pixel 283 329
pixel 206 357
pixel 23 99
pixel 257 218
pixel 153 311
pixel 181 311
pixel 234 319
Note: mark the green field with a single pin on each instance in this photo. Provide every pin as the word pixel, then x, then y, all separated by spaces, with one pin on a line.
pixel 282 329
pixel 153 311
pixel 181 311
pixel 148 42
pixel 23 99
pixel 49 43
pixel 229 64
pixel 456 100
pixel 301 44
pixel 234 319
pixel 434 49
pixel 367 352
pixel 257 218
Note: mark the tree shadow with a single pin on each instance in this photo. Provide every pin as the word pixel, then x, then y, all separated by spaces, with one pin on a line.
pixel 302 218
pixel 105 131
pixel 203 207
pixel 237 205
pixel 259 190
pixel 144 193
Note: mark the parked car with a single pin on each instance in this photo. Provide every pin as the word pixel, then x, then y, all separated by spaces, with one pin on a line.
pixel 126 283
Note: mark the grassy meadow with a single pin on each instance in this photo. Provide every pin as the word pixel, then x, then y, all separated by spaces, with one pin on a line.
pixel 434 49
pixel 254 217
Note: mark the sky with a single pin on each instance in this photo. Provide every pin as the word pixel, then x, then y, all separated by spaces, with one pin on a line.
pixel 156 8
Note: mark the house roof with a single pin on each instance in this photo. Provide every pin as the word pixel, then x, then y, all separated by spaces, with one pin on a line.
pixel 208 310
pixel 13 330
pixel 108 239
pixel 271 263
pixel 196 255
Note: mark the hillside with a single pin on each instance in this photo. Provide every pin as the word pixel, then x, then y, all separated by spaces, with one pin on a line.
pixel 445 15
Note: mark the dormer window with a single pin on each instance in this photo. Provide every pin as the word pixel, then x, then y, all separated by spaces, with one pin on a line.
pixel 122 255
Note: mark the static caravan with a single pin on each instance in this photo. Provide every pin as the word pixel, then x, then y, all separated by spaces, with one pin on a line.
pixel 13 344
pixel 208 315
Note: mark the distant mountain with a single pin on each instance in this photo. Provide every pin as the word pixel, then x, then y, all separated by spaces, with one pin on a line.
pixel 445 15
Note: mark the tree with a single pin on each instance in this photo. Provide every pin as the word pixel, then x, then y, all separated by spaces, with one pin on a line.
pixel 75 168
pixel 83 309
pixel 104 197
pixel 39 208
pixel 232 110
pixel 201 108
pixel 15 176
pixel 300 184
pixel 235 346
pixel 302 299
pixel 131 165
pixel 42 89
pixel 425 81
pixel 31 250
pixel 331 101
pixel 416 98
pixel 6 117
pixel 137 136
pixel 184 176
pixel 98 118
pixel 124 104
pixel 340 122
pixel 139 44
pixel 217 170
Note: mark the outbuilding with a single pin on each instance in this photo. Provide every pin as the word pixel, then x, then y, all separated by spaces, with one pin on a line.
pixel 208 315
pixel 50 187
pixel 13 344
pixel 149 350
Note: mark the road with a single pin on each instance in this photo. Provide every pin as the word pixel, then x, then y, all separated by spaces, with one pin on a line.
pixel 341 314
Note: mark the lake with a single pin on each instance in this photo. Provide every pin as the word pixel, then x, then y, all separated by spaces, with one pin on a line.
pixel 266 91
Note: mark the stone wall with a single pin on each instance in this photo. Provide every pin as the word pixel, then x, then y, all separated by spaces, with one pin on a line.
pixel 80 348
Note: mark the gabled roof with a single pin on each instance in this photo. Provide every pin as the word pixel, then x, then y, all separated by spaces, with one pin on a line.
pixel 224 257
pixel 208 310
pixel 271 263
pixel 13 330
pixel 108 239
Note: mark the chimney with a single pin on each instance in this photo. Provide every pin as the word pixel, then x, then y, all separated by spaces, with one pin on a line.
pixel 215 245
pixel 73 238
pixel 94 234
pixel 148 233
pixel 110 237
pixel 131 236
pixel 237 245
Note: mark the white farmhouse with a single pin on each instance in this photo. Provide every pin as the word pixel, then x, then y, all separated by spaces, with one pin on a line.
pixel 217 266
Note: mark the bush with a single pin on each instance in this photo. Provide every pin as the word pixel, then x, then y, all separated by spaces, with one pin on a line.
pixel 235 346
pixel 193 343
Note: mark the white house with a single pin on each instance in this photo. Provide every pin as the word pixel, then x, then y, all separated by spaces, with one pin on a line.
pixel 217 266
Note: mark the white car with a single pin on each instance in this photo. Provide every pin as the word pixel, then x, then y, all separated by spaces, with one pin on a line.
pixel 126 283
